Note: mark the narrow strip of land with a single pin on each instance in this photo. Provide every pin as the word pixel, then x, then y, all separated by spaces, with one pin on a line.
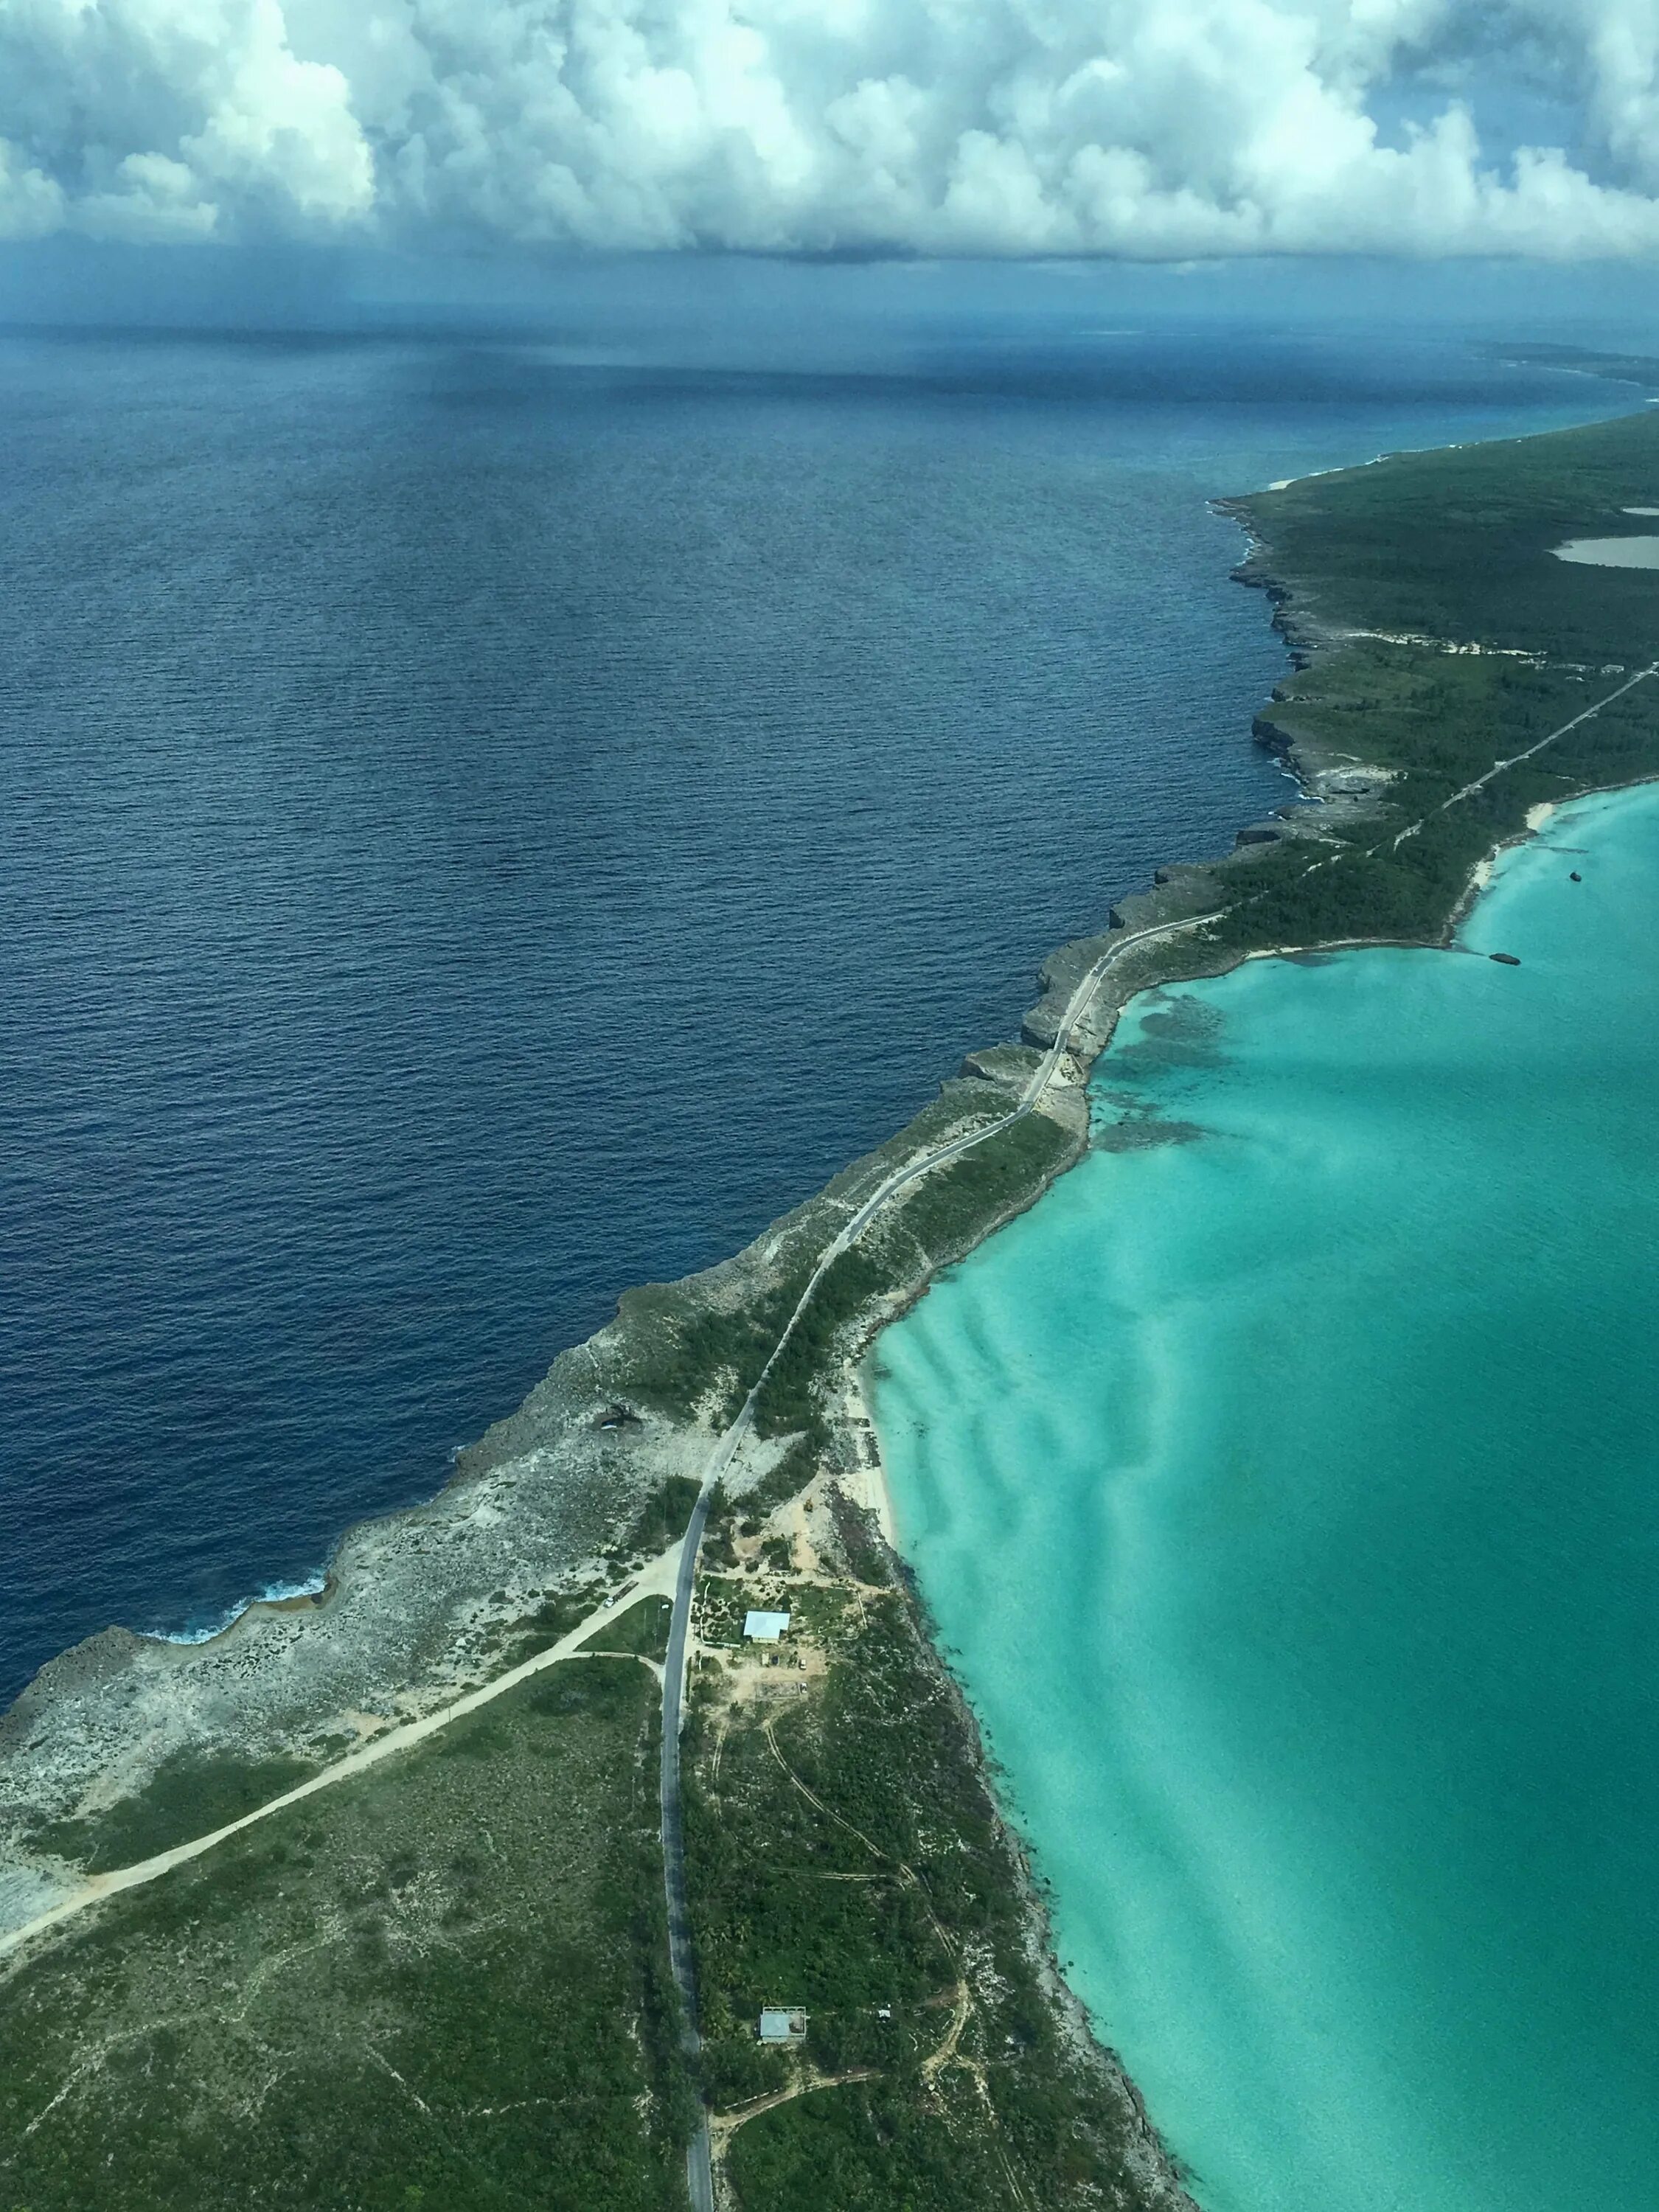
pixel 675 1569
pixel 699 2165
pixel 699 2155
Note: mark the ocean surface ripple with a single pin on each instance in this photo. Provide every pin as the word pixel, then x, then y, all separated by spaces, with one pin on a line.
pixel 482 832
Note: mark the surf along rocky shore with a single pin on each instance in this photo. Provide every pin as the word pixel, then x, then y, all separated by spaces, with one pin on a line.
pixel 1432 636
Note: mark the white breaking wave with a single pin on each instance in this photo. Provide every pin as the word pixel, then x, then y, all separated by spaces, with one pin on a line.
pixel 273 1594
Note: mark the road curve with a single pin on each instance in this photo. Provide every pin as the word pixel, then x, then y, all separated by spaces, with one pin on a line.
pixel 699 2160
pixel 656 1579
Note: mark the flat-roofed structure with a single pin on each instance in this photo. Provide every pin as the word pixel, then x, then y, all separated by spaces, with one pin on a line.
pixel 782 2024
pixel 765 1627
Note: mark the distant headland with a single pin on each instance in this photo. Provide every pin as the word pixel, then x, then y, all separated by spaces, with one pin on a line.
pixel 349 1820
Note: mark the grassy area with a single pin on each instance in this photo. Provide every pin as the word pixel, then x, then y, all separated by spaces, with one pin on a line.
pixel 1456 544
pixel 1451 545
pixel 442 1984
pixel 873 1909
pixel 700 1348
pixel 190 1794
pixel 641 1628
pixel 818 1612
pixel 1437 723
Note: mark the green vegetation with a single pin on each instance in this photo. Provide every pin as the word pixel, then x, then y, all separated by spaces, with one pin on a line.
pixel 1456 544
pixel 445 1982
pixel 722 1601
pixel 442 1983
pixel 642 1629
pixel 552 1619
pixel 789 1404
pixel 949 1212
pixel 850 1860
pixel 190 1794
pixel 701 1348
pixel 940 1219
pixel 1452 546
pixel 663 1517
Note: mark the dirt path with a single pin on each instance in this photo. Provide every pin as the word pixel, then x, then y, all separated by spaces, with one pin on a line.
pixel 722 2126
pixel 655 1580
pixel 1497 768
pixel 962 2000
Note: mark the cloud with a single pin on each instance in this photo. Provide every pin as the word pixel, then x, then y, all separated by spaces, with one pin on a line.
pixel 1156 129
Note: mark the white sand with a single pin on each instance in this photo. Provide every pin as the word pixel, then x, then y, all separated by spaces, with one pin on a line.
pixel 1610 552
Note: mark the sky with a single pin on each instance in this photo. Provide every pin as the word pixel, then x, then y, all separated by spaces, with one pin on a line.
pixel 1155 130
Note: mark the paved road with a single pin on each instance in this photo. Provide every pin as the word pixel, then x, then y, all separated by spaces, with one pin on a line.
pixel 725 1451
pixel 656 1579
pixel 400 1738
pixel 699 2166
pixel 699 2158
pixel 683 1570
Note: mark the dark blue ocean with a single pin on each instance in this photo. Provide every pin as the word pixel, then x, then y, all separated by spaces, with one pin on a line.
pixel 483 829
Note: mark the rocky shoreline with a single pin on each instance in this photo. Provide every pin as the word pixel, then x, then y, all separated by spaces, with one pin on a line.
pixel 426 1605
pixel 414 1603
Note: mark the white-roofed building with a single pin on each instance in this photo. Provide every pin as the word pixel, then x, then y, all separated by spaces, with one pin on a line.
pixel 765 1627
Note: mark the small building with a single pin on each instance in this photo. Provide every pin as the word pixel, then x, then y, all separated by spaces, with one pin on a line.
pixel 782 2024
pixel 765 1627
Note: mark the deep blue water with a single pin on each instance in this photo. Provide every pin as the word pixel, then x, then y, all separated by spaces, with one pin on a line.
pixel 480 832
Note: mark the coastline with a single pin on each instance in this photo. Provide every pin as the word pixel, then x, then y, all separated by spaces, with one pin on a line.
pixel 862 1477
pixel 1105 1490
pixel 417 1611
pixel 370 1551
pixel 1315 780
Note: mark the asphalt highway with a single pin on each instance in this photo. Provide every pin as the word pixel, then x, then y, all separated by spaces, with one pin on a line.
pixel 699 2163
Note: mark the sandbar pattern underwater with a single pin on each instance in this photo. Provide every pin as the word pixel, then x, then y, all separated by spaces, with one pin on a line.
pixel 1284 1485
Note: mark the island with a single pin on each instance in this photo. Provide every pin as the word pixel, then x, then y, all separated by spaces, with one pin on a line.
pixel 610 1831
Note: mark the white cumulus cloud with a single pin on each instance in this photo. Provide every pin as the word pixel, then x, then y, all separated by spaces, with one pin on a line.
pixel 1155 128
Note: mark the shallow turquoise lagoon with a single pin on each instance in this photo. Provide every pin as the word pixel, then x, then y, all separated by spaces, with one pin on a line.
pixel 1287 1486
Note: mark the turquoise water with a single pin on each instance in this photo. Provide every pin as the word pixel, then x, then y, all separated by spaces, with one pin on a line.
pixel 395 731
pixel 1288 1490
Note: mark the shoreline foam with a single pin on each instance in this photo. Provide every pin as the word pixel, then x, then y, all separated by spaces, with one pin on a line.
pixel 402 1625
pixel 376 1558
pixel 958 1533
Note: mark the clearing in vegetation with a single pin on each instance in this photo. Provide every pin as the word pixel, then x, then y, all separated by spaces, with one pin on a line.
pixel 442 1984
pixel 845 1857
pixel 445 1982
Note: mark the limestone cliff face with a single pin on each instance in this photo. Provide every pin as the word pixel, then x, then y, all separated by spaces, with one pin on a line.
pixel 416 1602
